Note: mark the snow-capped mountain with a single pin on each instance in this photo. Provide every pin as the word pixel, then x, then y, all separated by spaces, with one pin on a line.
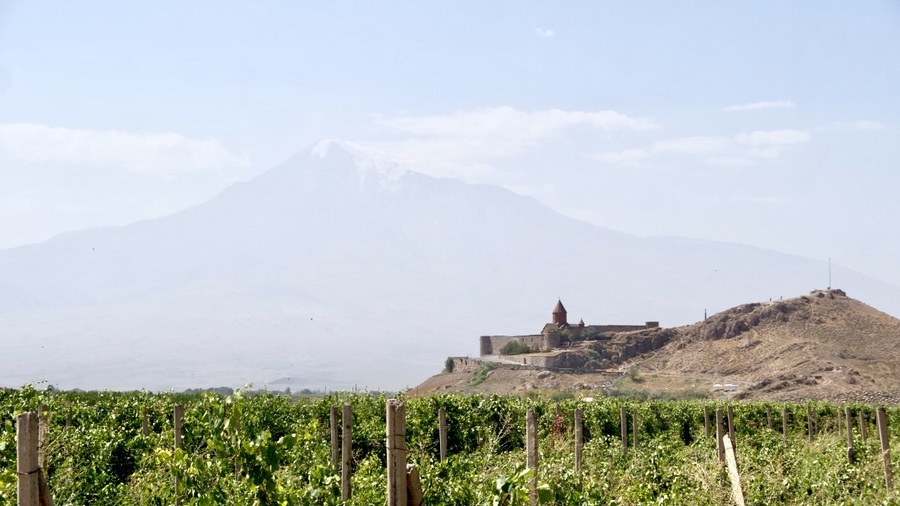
pixel 339 269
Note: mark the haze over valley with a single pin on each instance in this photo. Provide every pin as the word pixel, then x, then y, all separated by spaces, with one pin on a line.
pixel 336 271
pixel 342 195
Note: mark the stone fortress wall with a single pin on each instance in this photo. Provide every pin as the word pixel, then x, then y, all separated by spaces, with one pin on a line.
pixel 491 345
pixel 462 364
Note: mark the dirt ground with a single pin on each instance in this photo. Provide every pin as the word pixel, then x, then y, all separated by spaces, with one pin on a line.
pixel 508 381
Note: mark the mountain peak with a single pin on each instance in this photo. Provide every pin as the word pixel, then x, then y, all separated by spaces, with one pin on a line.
pixel 371 165
pixel 333 147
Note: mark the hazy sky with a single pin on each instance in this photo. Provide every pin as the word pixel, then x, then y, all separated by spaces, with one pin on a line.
pixel 775 124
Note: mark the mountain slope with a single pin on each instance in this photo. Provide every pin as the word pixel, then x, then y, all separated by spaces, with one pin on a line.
pixel 336 270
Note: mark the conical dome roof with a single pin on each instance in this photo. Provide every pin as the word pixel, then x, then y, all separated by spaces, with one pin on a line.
pixel 559 308
pixel 559 314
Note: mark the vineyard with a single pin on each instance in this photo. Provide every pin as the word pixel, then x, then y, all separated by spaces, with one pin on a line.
pixel 117 448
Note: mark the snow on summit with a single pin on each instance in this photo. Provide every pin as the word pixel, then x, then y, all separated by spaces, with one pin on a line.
pixel 368 162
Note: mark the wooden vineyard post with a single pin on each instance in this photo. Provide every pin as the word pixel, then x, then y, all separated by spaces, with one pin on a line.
pixel 442 433
pixel 579 442
pixel 43 447
pixel 396 453
pixel 720 433
pixel 346 439
pixel 531 452
pixel 333 425
pixel 809 423
pixel 237 464
pixel 634 428
pixel 736 491
pixel 44 497
pixel 881 418
pixel 769 417
pixel 27 469
pixel 840 425
pixel 863 430
pixel 623 422
pixel 68 416
pixel 414 495
pixel 706 420
pixel 731 425
pixel 177 415
pixel 43 435
pixel 784 429
pixel 145 423
pixel 851 452
pixel 815 423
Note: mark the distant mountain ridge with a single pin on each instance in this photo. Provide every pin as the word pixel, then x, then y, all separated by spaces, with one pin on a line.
pixel 338 270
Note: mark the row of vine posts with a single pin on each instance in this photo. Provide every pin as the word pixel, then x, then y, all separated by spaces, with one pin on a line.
pixel 403 485
pixel 726 444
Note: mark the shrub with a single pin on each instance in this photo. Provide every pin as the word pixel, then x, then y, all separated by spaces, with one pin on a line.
pixel 481 374
pixel 514 348
pixel 633 375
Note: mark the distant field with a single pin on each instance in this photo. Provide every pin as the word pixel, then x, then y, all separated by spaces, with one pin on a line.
pixel 269 449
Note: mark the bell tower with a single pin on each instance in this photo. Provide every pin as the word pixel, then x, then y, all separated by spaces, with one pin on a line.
pixel 559 314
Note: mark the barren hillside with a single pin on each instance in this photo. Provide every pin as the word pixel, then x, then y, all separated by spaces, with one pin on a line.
pixel 823 345
pixel 817 345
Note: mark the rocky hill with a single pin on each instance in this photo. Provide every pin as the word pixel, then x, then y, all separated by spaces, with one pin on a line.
pixel 819 345
pixel 822 345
